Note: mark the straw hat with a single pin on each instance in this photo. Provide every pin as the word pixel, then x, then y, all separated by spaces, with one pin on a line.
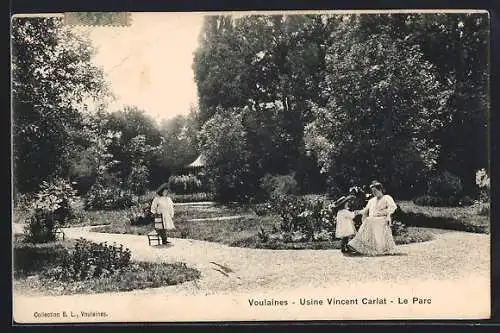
pixel 342 200
pixel 162 187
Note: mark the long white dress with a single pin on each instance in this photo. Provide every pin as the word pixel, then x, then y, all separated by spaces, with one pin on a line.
pixel 345 224
pixel 374 236
pixel 165 207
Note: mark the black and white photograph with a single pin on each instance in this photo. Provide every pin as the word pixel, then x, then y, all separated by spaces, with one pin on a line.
pixel 250 166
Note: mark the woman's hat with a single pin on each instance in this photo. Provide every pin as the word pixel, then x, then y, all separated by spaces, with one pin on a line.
pixel 162 187
pixel 342 200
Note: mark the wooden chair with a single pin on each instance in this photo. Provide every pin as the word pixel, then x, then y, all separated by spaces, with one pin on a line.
pixel 59 232
pixel 158 224
pixel 154 237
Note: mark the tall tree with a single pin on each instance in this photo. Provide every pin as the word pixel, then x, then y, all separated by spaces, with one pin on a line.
pixel 52 75
pixel 385 106
pixel 458 45
pixel 180 145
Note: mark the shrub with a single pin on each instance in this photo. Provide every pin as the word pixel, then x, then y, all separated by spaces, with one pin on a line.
pixel 440 222
pixel 398 228
pixel 483 183
pixel 192 197
pixel 185 184
pixel 140 214
pixel 262 209
pixel 279 185
pixel 444 185
pixel 40 227
pixel 434 201
pixel 288 207
pixel 54 197
pixel 311 217
pixel 110 197
pixel 90 260
pixel 138 179
pixel 482 208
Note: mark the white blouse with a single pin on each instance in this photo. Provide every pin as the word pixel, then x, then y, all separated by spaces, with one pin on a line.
pixel 382 207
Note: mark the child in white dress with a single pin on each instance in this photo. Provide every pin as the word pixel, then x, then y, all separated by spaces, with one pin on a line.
pixel 345 222
pixel 163 207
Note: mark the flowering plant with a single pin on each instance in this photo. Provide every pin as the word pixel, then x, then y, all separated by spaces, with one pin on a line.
pixel 483 183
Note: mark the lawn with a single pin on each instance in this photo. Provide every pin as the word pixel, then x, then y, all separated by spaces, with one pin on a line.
pixel 32 262
pixel 243 232
pixel 454 218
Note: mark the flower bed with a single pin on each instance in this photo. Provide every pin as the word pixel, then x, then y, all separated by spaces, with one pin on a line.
pixel 81 266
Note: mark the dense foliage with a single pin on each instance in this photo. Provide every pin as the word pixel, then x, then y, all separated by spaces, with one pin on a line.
pixel 51 206
pixel 90 260
pixel 185 184
pixel 52 74
pixel 287 104
pixel 350 98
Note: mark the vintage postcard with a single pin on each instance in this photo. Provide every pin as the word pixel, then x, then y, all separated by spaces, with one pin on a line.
pixel 250 166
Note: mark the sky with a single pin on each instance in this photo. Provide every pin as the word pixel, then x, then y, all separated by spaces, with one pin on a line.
pixel 148 64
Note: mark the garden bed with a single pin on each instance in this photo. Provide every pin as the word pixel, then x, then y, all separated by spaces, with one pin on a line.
pixel 414 235
pixel 33 262
pixel 243 232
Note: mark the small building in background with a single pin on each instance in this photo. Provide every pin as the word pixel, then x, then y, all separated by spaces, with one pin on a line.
pixel 196 166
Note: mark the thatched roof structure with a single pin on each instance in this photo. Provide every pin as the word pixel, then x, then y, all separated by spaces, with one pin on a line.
pixel 198 163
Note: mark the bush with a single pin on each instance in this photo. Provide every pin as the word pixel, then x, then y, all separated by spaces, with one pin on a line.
pixel 140 214
pixel 441 222
pixel 262 209
pixel 111 197
pixel 55 197
pixel 445 185
pixel 398 228
pixel 185 184
pixel 429 200
pixel 310 217
pixel 40 227
pixel 90 260
pixel 279 185
pixel 192 197
pixel 483 183
pixel 138 179
pixel 482 208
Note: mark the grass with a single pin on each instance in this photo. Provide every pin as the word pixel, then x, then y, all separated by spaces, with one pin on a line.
pixel 32 261
pixel 242 232
pixel 225 231
pixel 454 218
pixel 119 216
pixel 101 217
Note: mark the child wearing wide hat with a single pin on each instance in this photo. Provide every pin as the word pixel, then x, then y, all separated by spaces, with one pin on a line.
pixel 163 209
pixel 345 221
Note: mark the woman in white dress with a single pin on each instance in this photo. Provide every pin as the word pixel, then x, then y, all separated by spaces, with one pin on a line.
pixel 374 236
pixel 163 205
